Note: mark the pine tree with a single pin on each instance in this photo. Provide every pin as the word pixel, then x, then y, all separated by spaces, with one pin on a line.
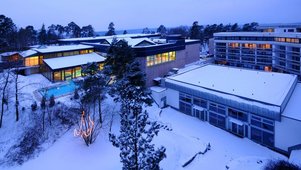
pixel 111 29
pixel 162 30
pixel 42 36
pixel 125 32
pixel 136 131
pixel 195 32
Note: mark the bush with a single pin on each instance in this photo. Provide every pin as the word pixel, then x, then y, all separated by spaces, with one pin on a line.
pixel 51 102
pixel 34 106
pixel 281 165
pixel 76 95
pixel 26 148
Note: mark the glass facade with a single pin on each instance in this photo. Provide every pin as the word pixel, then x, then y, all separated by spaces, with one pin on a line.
pixel 160 58
pixel 262 130
pixel 32 61
pixel 240 123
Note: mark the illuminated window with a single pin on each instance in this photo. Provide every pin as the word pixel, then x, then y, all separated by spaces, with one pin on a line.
pixel 57 76
pixel 172 56
pixel 83 51
pixel 164 57
pixel 78 72
pixel 101 66
pixel 234 45
pixel 68 74
pixel 91 51
pixel 32 61
pixel 250 45
pixel 150 60
pixel 160 58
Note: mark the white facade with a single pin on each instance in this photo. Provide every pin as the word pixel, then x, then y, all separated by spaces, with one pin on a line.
pixel 287 133
pixel 204 93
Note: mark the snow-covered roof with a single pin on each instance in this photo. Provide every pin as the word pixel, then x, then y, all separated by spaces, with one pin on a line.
pixel 265 87
pixel 8 53
pixel 50 49
pixel 72 61
pixel 135 41
pixel 107 37
pixel 260 34
pixel 293 107
pixel 295 157
pixel 28 53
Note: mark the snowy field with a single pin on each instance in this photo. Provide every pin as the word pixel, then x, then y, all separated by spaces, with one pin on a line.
pixel 187 137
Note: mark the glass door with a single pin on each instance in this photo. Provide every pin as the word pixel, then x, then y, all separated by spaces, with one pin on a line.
pixel 237 129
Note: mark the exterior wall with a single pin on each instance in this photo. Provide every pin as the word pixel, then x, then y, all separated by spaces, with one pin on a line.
pixel 183 57
pixel 159 97
pixel 192 53
pixel 172 98
pixel 211 46
pixel 287 133
pixel 160 70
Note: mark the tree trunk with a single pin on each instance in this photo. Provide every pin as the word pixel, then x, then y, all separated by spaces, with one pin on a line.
pixel 3 99
pixel 99 110
pixel 43 121
pixel 17 97
pixel 136 144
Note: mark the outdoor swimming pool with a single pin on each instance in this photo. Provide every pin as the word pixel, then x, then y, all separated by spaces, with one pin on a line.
pixel 59 90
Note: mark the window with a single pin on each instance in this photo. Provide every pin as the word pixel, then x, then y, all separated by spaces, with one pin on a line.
pixel 200 102
pixel 217 108
pixel 100 66
pixel 262 123
pixel 160 58
pixel 185 108
pixel 185 98
pixel 32 61
pixel 217 120
pixel 57 76
pixel 78 72
pixel 263 137
pixel 238 115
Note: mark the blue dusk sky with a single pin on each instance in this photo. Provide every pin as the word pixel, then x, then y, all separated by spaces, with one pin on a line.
pixel 127 14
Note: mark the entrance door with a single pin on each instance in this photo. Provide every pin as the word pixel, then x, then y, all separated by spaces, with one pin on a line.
pixel 200 114
pixel 237 129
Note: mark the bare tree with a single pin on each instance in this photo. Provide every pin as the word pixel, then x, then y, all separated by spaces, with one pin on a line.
pixel 4 99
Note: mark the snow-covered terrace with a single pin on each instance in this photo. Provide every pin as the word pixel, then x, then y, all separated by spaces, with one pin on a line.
pixel 72 61
pixel 255 91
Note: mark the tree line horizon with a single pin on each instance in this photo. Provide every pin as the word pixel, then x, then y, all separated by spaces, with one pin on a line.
pixel 13 38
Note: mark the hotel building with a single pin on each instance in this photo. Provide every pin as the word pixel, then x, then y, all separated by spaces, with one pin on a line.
pixel 271 51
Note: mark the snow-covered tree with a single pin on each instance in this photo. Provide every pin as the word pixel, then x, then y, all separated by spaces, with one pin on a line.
pixel 136 130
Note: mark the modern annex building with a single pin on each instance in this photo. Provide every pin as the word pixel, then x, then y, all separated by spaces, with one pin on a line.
pixel 261 106
pixel 271 51
pixel 59 63
pixel 157 56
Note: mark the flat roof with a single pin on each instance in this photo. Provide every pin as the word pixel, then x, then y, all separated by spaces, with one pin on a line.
pixel 293 107
pixel 265 87
pixel 72 61
pixel 108 37
pixel 261 34
pixel 50 49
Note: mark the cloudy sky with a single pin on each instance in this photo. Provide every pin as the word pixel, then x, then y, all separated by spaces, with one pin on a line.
pixel 127 14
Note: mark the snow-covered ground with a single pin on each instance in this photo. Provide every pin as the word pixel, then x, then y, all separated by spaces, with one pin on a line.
pixel 188 136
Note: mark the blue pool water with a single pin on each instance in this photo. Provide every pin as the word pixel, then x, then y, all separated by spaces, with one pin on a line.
pixel 59 90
